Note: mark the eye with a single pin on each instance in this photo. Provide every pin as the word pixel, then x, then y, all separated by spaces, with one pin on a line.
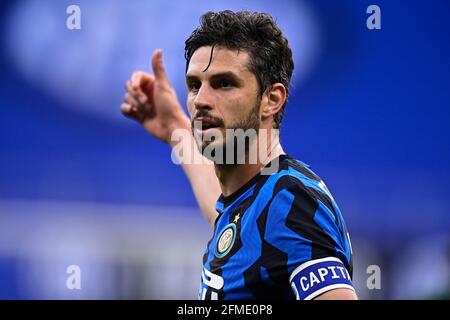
pixel 194 86
pixel 224 83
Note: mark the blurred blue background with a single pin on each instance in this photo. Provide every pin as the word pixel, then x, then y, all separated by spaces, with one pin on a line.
pixel 81 185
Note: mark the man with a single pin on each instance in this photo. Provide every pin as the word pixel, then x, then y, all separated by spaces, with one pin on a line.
pixel 278 235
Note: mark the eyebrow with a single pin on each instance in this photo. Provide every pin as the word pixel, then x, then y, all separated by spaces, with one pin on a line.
pixel 227 74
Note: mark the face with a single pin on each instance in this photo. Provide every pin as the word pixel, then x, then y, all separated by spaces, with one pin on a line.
pixel 225 96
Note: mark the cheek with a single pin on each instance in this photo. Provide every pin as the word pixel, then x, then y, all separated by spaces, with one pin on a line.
pixel 190 105
pixel 239 108
pixel 231 110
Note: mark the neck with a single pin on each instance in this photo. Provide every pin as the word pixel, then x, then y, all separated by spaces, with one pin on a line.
pixel 234 176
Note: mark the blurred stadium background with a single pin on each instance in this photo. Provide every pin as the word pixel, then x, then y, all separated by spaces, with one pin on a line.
pixel 80 185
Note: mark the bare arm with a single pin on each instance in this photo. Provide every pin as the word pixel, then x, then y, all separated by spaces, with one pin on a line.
pixel 204 182
pixel 338 294
pixel 152 101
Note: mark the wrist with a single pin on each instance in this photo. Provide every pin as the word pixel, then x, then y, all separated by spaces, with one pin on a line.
pixel 180 123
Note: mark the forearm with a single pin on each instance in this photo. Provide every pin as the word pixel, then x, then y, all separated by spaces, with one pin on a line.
pixel 152 101
pixel 201 174
pixel 205 186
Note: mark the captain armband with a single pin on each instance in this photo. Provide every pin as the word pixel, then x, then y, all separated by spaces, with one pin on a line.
pixel 315 277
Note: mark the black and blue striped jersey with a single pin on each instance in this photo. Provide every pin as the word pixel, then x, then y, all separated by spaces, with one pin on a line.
pixel 280 236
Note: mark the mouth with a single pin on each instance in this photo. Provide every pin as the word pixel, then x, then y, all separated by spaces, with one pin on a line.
pixel 206 125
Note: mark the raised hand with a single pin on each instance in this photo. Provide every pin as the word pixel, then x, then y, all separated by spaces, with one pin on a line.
pixel 151 100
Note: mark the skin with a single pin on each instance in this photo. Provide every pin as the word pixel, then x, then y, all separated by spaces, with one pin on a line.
pixel 227 92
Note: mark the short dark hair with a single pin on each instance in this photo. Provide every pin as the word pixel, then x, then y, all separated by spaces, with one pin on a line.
pixel 256 33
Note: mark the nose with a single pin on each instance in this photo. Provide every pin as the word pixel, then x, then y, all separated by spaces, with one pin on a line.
pixel 204 99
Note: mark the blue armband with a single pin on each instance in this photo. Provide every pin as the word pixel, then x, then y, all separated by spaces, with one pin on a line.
pixel 315 277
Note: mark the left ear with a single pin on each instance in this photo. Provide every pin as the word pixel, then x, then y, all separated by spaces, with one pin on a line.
pixel 273 99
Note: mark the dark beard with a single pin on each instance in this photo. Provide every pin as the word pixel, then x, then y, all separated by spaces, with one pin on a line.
pixel 230 149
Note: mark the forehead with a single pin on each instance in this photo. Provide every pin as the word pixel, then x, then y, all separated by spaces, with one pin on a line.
pixel 223 60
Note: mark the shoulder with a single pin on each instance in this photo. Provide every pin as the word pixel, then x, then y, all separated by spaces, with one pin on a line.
pixel 296 178
pixel 295 187
pixel 301 200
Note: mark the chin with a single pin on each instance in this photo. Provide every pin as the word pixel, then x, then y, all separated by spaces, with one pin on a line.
pixel 214 151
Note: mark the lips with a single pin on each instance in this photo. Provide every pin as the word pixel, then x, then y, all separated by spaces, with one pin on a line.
pixel 207 123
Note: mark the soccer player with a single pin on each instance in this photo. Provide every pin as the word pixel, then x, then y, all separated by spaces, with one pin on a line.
pixel 278 234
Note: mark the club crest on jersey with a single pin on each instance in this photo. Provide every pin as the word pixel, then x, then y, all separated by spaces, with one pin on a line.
pixel 226 240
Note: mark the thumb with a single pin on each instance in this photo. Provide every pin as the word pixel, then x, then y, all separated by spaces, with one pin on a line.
pixel 158 67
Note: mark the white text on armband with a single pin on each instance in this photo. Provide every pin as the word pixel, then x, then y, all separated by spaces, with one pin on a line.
pixel 315 277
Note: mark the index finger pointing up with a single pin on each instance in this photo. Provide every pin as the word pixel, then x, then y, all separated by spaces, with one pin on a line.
pixel 158 67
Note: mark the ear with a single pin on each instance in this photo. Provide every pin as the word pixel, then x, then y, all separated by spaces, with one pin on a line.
pixel 273 99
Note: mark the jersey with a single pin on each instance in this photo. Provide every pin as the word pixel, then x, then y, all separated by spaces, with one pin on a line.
pixel 280 236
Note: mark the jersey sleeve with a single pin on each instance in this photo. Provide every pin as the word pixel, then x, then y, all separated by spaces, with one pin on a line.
pixel 304 225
